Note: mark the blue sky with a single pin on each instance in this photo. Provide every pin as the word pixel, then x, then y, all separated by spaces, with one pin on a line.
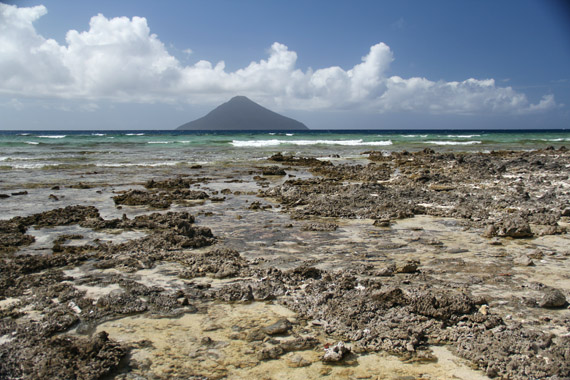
pixel 330 64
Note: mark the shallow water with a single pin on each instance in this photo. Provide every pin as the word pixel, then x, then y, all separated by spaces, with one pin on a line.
pixel 447 251
pixel 214 344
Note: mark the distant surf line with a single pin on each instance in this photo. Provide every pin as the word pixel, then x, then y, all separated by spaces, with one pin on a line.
pixel 277 142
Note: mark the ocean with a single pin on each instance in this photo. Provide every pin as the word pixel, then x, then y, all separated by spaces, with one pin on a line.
pixel 56 150
pixel 35 157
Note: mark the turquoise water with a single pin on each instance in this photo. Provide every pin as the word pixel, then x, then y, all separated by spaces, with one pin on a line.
pixel 60 150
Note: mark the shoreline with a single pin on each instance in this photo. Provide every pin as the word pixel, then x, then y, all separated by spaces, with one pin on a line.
pixel 402 253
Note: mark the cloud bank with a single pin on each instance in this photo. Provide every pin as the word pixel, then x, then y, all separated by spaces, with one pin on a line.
pixel 119 59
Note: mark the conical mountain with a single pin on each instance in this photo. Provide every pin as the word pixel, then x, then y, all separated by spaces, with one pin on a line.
pixel 242 114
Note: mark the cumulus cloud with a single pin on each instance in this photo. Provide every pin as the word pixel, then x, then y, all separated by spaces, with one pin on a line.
pixel 119 59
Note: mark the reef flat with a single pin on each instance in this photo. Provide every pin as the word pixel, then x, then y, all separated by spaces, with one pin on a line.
pixel 422 265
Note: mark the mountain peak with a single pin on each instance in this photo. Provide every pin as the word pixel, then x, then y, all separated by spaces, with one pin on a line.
pixel 241 113
pixel 241 98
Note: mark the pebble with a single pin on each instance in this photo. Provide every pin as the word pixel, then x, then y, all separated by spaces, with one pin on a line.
pixel 282 326
pixel 297 361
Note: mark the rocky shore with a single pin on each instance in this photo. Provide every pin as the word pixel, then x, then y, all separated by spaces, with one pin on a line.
pixel 296 267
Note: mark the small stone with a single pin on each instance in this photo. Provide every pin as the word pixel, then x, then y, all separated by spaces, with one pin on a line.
pixel 325 371
pixel 298 344
pixel 320 227
pixel 210 326
pixel 382 223
pixel 297 361
pixel 255 335
pixel 484 309
pixel 523 261
pixel 490 231
pixel 410 266
pixel 385 272
pixel 536 254
pixel 552 298
pixel 515 227
pixel 270 353
pixel 282 326
pixel 492 372
pixel 234 336
pixel 73 306
pixel 206 340
pixel 433 242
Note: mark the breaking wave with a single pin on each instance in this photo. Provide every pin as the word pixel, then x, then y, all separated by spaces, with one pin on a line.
pixel 453 142
pixel 276 142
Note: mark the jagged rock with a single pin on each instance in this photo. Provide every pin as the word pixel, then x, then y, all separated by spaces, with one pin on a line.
pixel 61 357
pixel 552 298
pixel 322 227
pixel 273 170
pixel 298 344
pixel 271 353
pixel 258 206
pixel 382 223
pixel 515 227
pixel 536 254
pixel 255 335
pixel 335 353
pixel 139 197
pixel 410 266
pixel 523 261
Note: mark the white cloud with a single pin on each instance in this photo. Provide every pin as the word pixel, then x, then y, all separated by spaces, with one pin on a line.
pixel 119 59
pixel 547 102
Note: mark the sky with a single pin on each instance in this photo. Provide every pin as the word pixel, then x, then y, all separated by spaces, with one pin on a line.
pixel 393 64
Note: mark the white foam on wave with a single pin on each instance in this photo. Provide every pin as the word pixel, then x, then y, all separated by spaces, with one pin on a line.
pixel 32 142
pixel 289 134
pixel 134 134
pixel 276 142
pixel 52 136
pixel 463 136
pixel 453 142
pixel 159 142
pixel 32 166
pixel 422 136
pixel 141 164
pixel 8 158
pixel 98 134
pixel 555 140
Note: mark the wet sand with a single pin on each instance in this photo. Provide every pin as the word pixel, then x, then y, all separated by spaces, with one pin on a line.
pixel 425 265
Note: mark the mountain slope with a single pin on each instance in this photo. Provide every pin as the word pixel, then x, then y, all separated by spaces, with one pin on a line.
pixel 240 113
